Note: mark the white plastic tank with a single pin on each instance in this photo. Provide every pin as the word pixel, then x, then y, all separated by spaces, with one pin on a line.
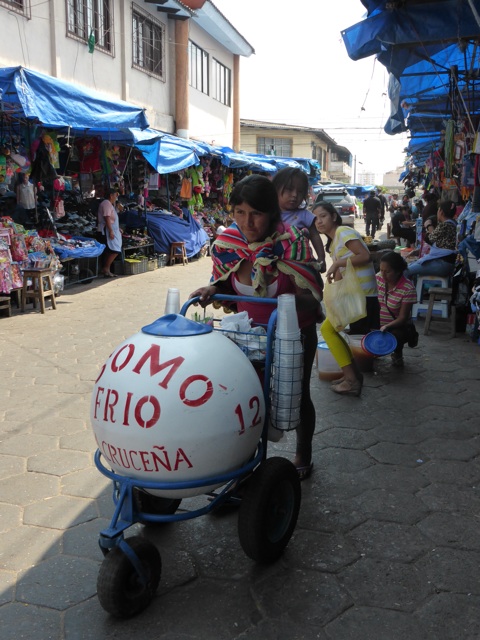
pixel 177 402
pixel 327 366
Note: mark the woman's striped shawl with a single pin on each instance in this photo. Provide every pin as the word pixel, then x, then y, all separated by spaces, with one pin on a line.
pixel 287 250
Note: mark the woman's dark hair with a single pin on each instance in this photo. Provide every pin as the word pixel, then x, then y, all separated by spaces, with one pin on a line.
pixel 329 208
pixel 337 218
pixel 448 207
pixel 260 194
pixel 395 261
pixel 288 177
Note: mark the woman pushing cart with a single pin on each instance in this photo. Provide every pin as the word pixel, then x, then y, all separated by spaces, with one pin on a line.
pixel 259 255
pixel 162 411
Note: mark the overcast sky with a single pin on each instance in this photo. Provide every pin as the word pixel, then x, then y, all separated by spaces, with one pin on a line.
pixel 301 74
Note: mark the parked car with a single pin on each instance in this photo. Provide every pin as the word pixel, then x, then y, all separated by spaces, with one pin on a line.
pixel 344 203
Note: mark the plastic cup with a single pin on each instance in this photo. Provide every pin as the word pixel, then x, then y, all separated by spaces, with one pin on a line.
pixel 172 304
pixel 287 320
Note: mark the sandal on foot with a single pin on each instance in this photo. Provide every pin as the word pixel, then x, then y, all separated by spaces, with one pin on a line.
pixel 340 380
pixel 347 388
pixel 305 472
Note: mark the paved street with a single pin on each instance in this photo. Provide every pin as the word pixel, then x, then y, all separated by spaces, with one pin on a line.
pixel 386 546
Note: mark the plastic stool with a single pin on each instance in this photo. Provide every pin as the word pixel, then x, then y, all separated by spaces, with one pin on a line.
pixel 37 290
pixel 443 294
pixel 177 252
pixel 424 283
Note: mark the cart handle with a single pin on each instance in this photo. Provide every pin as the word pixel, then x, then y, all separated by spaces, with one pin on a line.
pixel 229 298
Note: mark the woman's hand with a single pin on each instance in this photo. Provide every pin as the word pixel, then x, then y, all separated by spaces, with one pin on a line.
pixel 204 293
pixel 333 273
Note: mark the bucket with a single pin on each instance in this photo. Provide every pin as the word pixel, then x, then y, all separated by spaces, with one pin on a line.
pixel 363 359
pixel 327 366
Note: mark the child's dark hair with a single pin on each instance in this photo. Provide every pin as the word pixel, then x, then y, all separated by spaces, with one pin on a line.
pixel 288 177
pixel 258 192
pixel 395 261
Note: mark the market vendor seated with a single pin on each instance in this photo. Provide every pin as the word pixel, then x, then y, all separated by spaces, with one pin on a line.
pixel 402 225
pixel 440 260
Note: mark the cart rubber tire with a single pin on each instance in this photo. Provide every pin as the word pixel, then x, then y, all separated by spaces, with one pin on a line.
pixel 119 589
pixel 269 510
pixel 155 505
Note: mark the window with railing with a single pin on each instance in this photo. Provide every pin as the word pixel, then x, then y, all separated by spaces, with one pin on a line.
pixel 275 147
pixel 92 22
pixel 221 81
pixel 19 6
pixel 148 43
pixel 197 67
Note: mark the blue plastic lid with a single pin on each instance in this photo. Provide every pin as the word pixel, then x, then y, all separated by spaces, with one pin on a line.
pixel 322 345
pixel 175 325
pixel 379 343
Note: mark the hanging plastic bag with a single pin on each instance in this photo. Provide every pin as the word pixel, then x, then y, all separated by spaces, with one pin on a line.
pixel 344 299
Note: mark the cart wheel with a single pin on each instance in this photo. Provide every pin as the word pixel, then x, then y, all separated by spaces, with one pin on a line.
pixel 269 510
pixel 120 589
pixel 149 503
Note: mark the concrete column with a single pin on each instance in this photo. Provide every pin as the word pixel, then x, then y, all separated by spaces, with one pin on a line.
pixel 181 78
pixel 53 42
pixel 123 52
pixel 236 103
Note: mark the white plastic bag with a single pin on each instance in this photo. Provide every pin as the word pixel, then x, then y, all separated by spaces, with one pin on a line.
pixel 345 300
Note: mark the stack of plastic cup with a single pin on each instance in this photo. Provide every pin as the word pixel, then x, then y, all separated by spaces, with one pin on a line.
pixel 287 370
pixel 172 304
pixel 287 320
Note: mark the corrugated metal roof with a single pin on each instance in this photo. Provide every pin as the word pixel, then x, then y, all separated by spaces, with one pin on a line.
pixel 258 124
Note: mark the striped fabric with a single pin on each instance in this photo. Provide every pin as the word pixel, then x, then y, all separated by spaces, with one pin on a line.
pixel 403 291
pixel 286 251
pixel 339 250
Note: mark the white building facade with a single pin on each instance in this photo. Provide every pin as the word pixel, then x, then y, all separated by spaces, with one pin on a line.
pixel 178 60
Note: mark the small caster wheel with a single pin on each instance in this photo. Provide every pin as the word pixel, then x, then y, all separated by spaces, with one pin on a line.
pixel 121 590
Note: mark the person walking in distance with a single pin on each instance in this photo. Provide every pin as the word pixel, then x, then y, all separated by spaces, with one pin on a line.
pixel 109 232
pixel 372 208
pixel 383 207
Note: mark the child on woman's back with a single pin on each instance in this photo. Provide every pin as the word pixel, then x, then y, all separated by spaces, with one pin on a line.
pixel 292 189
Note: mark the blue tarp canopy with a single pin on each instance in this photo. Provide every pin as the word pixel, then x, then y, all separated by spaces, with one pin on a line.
pixel 166 228
pixel 167 153
pixel 431 53
pixel 37 97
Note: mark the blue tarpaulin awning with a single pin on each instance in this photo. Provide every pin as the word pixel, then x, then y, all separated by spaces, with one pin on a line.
pixel 35 96
pixel 430 50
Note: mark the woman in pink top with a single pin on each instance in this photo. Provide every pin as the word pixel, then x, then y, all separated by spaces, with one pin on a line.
pixel 396 295
pixel 260 256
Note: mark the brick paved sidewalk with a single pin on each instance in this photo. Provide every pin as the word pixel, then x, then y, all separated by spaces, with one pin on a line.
pixel 387 541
